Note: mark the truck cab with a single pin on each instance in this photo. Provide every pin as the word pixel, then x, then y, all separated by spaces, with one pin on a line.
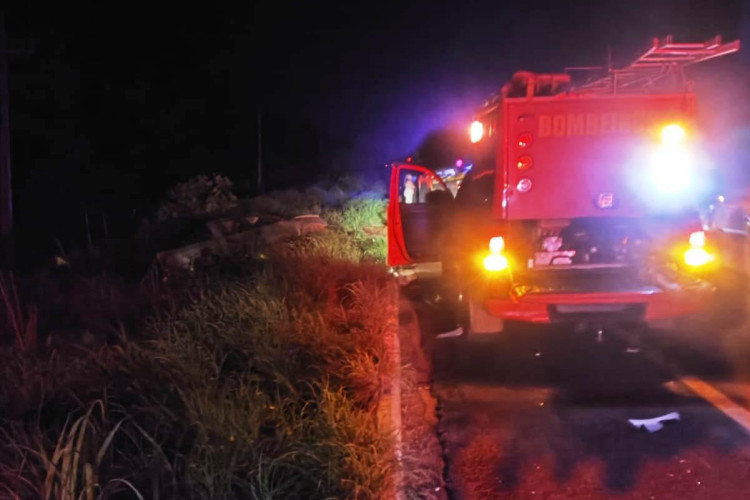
pixel 581 203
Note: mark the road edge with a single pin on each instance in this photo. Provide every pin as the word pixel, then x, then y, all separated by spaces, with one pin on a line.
pixel 423 467
pixel 389 407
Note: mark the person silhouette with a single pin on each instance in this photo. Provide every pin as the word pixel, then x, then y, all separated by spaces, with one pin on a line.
pixel 409 189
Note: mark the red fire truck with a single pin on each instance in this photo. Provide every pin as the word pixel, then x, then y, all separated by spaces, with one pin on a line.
pixel 581 203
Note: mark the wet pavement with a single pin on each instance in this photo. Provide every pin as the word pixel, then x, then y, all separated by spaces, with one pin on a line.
pixel 542 413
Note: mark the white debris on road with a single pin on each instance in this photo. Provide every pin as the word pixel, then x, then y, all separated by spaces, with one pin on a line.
pixel 654 424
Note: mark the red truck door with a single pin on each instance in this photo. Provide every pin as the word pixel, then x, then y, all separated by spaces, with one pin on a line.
pixel 418 199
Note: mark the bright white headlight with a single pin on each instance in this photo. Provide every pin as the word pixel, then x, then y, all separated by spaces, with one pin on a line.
pixel 476 131
pixel 671 169
pixel 673 134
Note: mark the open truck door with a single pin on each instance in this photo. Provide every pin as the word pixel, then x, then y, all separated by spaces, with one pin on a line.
pixel 418 203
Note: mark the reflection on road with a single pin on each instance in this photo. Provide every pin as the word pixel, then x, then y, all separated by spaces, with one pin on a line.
pixel 543 413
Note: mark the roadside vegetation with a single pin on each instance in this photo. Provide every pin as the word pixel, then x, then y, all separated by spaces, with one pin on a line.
pixel 257 375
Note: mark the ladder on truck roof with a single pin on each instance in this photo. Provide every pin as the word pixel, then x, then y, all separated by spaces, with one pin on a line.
pixel 659 67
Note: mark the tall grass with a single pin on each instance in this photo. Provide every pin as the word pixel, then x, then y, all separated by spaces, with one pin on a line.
pixel 359 213
pixel 20 321
pixel 363 222
pixel 259 381
pixel 72 466
pixel 258 376
pixel 287 387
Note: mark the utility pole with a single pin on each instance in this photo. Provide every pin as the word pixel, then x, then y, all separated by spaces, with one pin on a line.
pixel 6 190
pixel 260 148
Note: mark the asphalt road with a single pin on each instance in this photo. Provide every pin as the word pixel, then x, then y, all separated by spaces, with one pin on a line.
pixel 542 413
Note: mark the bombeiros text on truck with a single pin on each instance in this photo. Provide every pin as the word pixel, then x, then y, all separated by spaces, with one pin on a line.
pixel 579 204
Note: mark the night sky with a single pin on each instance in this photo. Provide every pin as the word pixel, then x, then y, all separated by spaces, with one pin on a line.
pixel 115 105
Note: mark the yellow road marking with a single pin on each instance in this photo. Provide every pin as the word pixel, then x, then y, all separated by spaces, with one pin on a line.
pixel 719 400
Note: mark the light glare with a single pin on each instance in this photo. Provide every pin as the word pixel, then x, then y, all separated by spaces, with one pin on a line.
pixel 476 131
pixel 671 169
pixel 495 263
pixel 697 257
pixel 673 134
pixel 497 244
pixel 698 239
pixel 524 185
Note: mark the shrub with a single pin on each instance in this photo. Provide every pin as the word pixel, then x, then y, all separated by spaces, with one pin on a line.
pixel 325 244
pixel 374 247
pixel 197 197
pixel 363 220
pixel 287 203
pixel 361 213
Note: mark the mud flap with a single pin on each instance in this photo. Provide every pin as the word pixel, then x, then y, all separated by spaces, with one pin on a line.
pixel 481 323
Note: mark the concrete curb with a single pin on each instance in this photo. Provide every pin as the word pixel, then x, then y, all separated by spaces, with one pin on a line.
pixel 422 460
pixel 389 407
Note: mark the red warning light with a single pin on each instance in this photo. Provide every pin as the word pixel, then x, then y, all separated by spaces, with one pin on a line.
pixel 524 162
pixel 525 139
